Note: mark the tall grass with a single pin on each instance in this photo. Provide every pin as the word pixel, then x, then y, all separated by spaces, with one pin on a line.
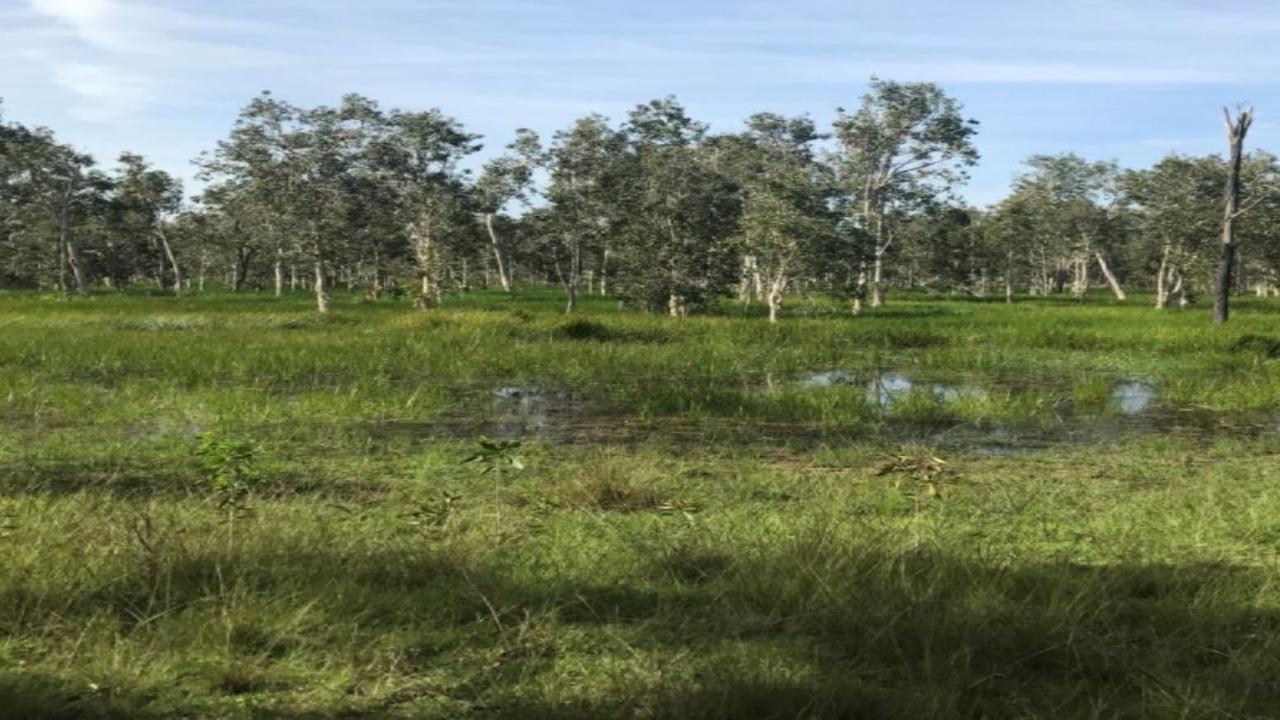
pixel 718 541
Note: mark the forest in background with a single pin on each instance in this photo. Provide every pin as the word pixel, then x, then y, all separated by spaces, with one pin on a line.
pixel 656 210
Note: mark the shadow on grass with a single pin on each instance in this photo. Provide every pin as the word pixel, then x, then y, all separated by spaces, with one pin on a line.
pixel 813 630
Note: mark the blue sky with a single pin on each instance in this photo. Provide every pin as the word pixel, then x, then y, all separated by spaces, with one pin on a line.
pixel 1125 79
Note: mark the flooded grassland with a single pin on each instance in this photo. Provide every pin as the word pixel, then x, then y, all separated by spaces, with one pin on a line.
pixel 227 507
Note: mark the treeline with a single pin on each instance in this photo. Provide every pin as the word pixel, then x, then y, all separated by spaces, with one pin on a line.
pixel 656 210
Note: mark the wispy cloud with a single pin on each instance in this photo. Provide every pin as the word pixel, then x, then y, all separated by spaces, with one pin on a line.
pixel 1130 78
pixel 138 28
pixel 114 55
pixel 104 93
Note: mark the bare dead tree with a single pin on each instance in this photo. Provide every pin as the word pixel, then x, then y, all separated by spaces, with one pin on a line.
pixel 1237 128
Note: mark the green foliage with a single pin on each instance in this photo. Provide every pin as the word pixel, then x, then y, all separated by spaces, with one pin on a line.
pixel 496 456
pixel 230 464
pixel 582 329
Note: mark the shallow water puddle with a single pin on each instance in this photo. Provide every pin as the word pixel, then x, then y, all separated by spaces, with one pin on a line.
pixel 1133 397
pixel 885 389
pixel 826 378
pixel 1132 407
pixel 518 412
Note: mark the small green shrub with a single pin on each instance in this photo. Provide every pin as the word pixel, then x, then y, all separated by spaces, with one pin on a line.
pixel 584 330
pixel 230 465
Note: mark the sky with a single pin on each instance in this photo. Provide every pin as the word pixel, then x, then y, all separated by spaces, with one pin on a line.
pixel 1125 80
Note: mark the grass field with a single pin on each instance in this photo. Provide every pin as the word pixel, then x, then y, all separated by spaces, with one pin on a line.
pixel 230 507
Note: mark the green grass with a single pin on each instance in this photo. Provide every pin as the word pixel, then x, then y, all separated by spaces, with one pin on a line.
pixel 697 535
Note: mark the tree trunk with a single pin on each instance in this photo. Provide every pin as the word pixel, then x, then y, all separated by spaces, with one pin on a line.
pixel 859 291
pixel 1110 276
pixel 1080 285
pixel 744 279
pixel 571 280
pixel 877 277
pixel 776 290
pixel 431 293
pixel 604 272
pixel 322 288
pixel 1008 278
pixel 240 272
pixel 173 261
pixel 72 257
pixel 1176 293
pixel 279 271
pixel 1236 131
pixel 77 272
pixel 1162 297
pixel 497 253
pixel 62 267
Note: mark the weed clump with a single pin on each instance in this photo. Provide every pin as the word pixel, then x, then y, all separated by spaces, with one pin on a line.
pixel 1264 346
pixel 584 330
pixel 609 494
pixel 694 562
pixel 912 339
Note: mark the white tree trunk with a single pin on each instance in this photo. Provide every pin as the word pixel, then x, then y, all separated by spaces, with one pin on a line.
pixel 877 277
pixel 776 290
pixel 1111 277
pixel 1162 296
pixel 497 253
pixel 323 299
pixel 604 272
pixel 745 278
pixel 173 262
pixel 676 307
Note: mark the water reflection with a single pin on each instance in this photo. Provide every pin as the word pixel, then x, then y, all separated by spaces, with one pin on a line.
pixel 518 412
pixel 826 378
pixel 885 389
pixel 1133 397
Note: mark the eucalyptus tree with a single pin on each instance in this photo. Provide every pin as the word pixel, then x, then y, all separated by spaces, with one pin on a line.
pixel 942 249
pixel 55 183
pixel 785 200
pixel 146 200
pixel 505 179
pixel 330 161
pixel 255 176
pixel 232 232
pixel 23 254
pixel 590 173
pixel 1177 205
pixel 906 143
pixel 1258 223
pixel 1007 231
pixel 682 211
pixel 416 155
pixel 1076 210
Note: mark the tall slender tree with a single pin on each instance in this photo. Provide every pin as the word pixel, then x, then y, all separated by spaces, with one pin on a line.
pixel 906 142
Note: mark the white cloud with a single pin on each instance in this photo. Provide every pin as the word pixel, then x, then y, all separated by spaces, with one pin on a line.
pixel 97 22
pixel 105 93
pixel 128 27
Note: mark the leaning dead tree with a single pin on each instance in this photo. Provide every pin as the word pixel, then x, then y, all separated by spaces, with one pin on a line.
pixel 1237 128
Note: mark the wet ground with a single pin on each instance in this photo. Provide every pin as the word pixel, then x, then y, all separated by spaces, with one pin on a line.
pixel 1132 406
